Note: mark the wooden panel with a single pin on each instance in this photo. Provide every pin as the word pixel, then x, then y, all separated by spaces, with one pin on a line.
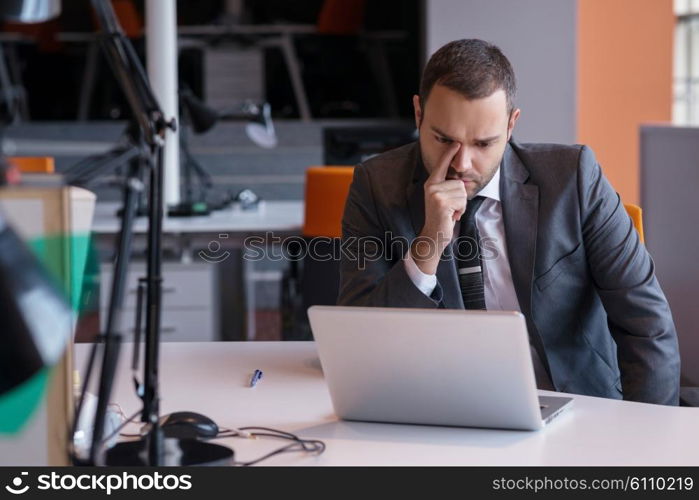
pixel 45 219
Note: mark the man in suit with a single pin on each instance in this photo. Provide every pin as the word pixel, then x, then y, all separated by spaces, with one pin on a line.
pixel 555 241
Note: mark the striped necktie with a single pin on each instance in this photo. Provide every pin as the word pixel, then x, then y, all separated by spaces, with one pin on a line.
pixel 468 257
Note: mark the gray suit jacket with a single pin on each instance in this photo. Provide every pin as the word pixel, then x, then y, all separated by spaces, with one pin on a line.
pixel 595 312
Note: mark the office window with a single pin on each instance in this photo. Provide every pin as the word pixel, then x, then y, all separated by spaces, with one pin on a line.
pixel 685 109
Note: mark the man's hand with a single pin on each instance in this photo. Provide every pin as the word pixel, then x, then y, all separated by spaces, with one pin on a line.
pixel 445 203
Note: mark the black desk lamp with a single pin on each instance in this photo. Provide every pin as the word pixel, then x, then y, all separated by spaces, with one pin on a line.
pixel 154 448
pixel 201 118
pixel 259 128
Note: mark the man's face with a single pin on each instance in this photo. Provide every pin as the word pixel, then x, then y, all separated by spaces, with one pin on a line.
pixel 482 127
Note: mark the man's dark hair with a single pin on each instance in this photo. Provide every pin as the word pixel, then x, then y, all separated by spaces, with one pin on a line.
pixel 472 67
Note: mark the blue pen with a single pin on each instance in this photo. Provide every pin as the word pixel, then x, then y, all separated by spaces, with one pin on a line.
pixel 256 376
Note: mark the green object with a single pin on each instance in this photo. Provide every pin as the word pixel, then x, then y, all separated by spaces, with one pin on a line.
pixel 57 253
pixel 60 252
pixel 18 404
pixel 200 206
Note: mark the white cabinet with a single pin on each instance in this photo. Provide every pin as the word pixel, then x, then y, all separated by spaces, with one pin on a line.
pixel 189 311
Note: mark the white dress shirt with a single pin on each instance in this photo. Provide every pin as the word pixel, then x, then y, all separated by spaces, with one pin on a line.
pixel 499 290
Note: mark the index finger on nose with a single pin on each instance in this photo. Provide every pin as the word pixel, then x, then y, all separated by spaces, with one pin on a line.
pixel 439 174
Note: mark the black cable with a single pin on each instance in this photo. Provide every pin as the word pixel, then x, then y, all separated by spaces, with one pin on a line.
pixel 286 449
pixel 299 444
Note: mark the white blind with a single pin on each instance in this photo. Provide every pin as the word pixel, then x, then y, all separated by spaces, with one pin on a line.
pixel 685 110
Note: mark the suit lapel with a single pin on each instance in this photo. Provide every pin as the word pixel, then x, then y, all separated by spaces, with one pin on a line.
pixel 520 206
pixel 446 270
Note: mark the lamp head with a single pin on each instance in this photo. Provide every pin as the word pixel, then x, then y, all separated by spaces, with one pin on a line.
pixel 261 129
pixel 201 117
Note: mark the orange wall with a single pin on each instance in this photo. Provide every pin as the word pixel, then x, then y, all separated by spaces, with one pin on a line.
pixel 624 78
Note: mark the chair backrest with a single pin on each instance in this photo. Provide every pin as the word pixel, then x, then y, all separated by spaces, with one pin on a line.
pixel 636 214
pixel 34 164
pixel 326 191
pixel 341 17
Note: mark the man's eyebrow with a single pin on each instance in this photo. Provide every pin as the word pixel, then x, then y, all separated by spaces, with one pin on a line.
pixel 447 136
pixel 488 139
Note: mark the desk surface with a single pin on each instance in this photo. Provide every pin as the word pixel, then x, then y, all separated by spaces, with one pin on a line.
pixel 212 378
pixel 283 216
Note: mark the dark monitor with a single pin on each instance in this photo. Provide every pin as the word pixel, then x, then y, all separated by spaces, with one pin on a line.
pixel 349 145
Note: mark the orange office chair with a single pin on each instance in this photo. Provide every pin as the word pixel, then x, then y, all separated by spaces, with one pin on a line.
pixel 313 278
pixel 636 214
pixel 34 164
pixel 326 191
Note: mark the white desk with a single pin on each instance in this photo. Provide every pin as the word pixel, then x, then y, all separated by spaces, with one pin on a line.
pixel 281 216
pixel 220 239
pixel 212 378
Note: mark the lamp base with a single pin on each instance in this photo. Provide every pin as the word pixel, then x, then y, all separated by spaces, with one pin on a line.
pixel 189 209
pixel 176 452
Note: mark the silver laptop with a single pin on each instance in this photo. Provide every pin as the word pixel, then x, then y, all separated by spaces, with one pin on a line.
pixel 431 366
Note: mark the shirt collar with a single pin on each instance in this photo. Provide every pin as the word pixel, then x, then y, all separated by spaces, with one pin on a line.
pixel 492 189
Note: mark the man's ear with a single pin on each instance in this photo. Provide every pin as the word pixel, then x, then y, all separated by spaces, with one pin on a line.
pixel 418 111
pixel 511 123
